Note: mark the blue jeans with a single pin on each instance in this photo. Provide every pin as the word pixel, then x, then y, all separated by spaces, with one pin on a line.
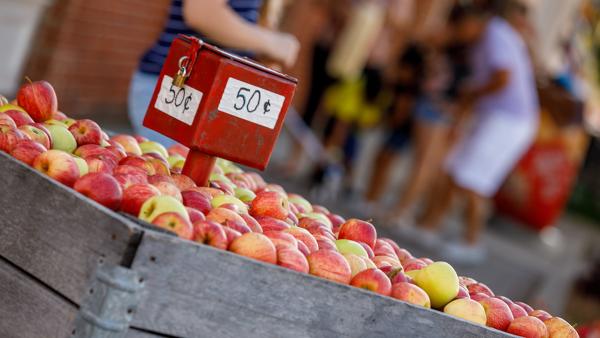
pixel 140 93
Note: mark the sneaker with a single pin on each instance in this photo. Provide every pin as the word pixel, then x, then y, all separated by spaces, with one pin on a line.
pixel 463 253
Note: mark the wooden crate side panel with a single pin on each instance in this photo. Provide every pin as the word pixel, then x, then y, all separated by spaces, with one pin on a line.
pixel 30 310
pixel 195 291
pixel 54 233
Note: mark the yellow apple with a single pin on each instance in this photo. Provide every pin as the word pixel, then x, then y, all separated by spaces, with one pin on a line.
pixel 440 282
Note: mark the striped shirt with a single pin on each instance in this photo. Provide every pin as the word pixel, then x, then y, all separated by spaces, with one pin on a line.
pixel 154 58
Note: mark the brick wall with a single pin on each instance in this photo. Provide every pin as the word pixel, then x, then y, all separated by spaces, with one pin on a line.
pixel 89 49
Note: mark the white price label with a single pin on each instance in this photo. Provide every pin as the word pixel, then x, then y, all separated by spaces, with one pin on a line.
pixel 180 103
pixel 251 103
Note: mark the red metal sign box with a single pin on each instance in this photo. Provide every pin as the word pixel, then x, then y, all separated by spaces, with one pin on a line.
pixel 226 106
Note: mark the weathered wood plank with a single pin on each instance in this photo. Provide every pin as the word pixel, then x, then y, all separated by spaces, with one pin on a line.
pixel 30 310
pixel 54 233
pixel 197 291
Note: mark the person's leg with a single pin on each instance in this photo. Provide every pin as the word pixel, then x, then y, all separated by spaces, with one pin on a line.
pixel 380 174
pixel 140 93
pixel 439 203
pixel 475 217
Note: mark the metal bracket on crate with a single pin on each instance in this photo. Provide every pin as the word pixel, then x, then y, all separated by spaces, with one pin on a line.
pixel 111 302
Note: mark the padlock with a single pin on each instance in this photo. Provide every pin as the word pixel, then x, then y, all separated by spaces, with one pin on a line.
pixel 181 76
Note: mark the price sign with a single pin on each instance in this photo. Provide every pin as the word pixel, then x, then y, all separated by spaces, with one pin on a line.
pixel 251 103
pixel 179 102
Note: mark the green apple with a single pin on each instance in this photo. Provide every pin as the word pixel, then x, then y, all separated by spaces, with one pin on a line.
pixel 318 217
pixel 220 177
pixel 8 106
pixel 219 200
pixel 151 146
pixel 245 195
pixel 82 164
pixel 346 246
pixel 297 199
pixel 176 161
pixel 68 122
pixel 157 205
pixel 439 281
pixel 62 139
pixel 232 169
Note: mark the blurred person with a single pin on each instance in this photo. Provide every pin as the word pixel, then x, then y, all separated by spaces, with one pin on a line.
pixel 502 124
pixel 228 23
pixel 432 118
pixel 407 88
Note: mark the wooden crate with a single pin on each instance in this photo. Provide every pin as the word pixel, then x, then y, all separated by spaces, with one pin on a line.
pixel 52 239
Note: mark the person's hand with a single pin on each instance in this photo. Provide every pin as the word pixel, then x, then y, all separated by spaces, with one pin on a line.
pixel 283 48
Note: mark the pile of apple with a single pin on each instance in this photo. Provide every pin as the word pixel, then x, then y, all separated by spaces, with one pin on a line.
pixel 241 213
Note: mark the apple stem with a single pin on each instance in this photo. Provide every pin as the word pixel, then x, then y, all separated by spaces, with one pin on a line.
pixel 28 79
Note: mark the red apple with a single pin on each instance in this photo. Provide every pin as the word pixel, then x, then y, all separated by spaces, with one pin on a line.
pixel 517 310
pixel 252 223
pixel 413 264
pixel 178 149
pixel 128 175
pixel 135 195
pixel 498 314
pixel 183 182
pixel 303 236
pixel 462 292
pixel 140 138
pixel 303 248
pixel 195 215
pixel 223 186
pixel 270 203
pixel 59 165
pixel 330 264
pixel 560 328
pixel 38 99
pixel 175 222
pixel 117 150
pixel 525 307
pixel 102 188
pixel 255 245
pixel 281 239
pixel 401 277
pixel 410 293
pixel 27 150
pixel 19 117
pixel 271 224
pixel 101 164
pixel 480 288
pixel 9 137
pixel 169 189
pixel 466 281
pixel 324 242
pixel 86 131
pixel 321 209
pixel 209 192
pixel 381 261
pixel 37 135
pixel 359 231
pixel 478 296
pixel 426 260
pixel 228 218
pixel 196 200
pixel 368 249
pixel 161 166
pixel 528 327
pixel 59 116
pixel 373 280
pixel 210 233
pixel 231 235
pixel 128 143
pixel 152 179
pixel 336 221
pixel 383 248
pixel 540 314
pixel 293 259
pixel 137 161
pixel 6 120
